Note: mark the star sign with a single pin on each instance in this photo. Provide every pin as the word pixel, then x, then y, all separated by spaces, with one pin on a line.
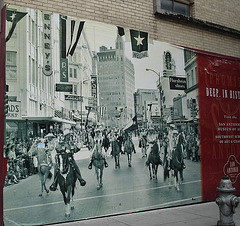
pixel 13 16
pixel 139 40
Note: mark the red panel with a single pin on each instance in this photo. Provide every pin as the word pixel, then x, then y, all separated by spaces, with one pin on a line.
pixel 2 82
pixel 219 101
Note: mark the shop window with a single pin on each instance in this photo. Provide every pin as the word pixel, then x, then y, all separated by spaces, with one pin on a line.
pixel 182 7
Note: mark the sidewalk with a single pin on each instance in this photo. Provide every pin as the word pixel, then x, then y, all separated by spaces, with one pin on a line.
pixel 202 214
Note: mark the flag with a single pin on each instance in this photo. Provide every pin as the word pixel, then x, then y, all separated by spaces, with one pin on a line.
pixel 139 40
pixel 120 31
pixel 13 17
pixel 75 35
pixel 63 36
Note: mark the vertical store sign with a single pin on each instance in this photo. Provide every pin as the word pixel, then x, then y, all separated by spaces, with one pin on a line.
pixel 63 59
pixel 47 46
pixel 94 89
pixel 219 105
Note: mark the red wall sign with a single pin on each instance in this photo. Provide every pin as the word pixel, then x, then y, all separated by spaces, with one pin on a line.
pixel 219 98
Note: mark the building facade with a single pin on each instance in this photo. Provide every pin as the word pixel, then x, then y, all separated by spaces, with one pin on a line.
pixel 116 80
pixel 35 107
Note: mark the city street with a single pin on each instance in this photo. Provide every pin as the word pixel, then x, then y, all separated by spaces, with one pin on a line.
pixel 124 190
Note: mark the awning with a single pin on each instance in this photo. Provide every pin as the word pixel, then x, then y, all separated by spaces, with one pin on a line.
pixel 49 119
pixel 11 126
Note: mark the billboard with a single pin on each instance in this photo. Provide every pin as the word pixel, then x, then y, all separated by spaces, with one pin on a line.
pixel 185 106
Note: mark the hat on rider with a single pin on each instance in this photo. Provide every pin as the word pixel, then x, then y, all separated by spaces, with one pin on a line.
pixel 66 132
pixel 49 135
pixel 175 131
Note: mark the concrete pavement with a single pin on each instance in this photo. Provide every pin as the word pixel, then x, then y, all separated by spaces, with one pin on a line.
pixel 202 214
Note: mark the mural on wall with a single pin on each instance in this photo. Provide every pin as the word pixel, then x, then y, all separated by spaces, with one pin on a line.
pixel 109 117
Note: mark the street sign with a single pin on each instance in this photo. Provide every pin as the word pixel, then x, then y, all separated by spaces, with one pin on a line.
pixel 74 98
pixel 178 83
pixel 64 87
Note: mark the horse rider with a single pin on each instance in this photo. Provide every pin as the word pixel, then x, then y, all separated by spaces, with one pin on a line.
pixel 98 144
pixel 42 154
pixel 115 149
pixel 144 140
pixel 67 144
pixel 176 140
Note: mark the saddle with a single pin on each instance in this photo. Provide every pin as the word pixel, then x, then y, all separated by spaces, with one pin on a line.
pixel 98 155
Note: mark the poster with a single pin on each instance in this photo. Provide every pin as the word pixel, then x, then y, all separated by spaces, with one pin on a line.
pixel 154 104
pixel 219 103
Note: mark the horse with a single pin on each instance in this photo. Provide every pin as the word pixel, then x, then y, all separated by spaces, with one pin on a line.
pixel 66 178
pixel 143 144
pixel 116 152
pixel 153 161
pixel 106 143
pixel 166 162
pixel 129 148
pixel 177 164
pixel 98 162
pixel 44 164
pixel 90 143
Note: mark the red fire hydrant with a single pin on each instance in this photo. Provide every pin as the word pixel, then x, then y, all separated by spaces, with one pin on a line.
pixel 227 202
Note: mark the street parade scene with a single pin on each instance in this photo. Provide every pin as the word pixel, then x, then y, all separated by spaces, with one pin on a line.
pixel 93 127
pixel 62 163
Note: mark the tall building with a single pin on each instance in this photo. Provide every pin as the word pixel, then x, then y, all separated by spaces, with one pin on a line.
pixel 35 107
pixel 144 100
pixel 116 81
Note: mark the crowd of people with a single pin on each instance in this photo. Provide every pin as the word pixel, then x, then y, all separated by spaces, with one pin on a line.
pixel 22 163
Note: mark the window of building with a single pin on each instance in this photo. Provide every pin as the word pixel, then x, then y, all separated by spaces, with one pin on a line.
pixel 75 89
pixel 75 73
pixel 33 73
pixel 71 73
pixel 182 7
pixel 11 64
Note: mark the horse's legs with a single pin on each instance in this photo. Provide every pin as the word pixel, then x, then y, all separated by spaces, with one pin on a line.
pixel 72 204
pixel 115 157
pixel 98 179
pixel 156 169
pixel 181 175
pixel 118 160
pixel 101 175
pixel 150 171
pixel 45 179
pixel 117 164
pixel 129 159
pixel 41 183
pixel 67 212
pixel 176 180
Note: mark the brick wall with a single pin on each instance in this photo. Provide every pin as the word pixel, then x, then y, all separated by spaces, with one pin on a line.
pixel 138 14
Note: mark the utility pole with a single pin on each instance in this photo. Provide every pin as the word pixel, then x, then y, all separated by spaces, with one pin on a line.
pixel 160 95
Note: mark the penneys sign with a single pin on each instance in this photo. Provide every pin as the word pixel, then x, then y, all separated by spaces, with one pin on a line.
pixel 47 46
pixel 177 83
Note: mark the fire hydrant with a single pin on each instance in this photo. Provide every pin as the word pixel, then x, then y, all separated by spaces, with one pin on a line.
pixel 227 202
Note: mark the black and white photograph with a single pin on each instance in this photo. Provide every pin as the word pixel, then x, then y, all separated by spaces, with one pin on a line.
pixel 100 120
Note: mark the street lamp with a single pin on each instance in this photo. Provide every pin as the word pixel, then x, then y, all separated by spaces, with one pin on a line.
pixel 81 94
pixel 160 93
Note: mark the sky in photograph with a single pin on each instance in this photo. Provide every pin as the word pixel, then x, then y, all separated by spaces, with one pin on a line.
pixel 101 34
